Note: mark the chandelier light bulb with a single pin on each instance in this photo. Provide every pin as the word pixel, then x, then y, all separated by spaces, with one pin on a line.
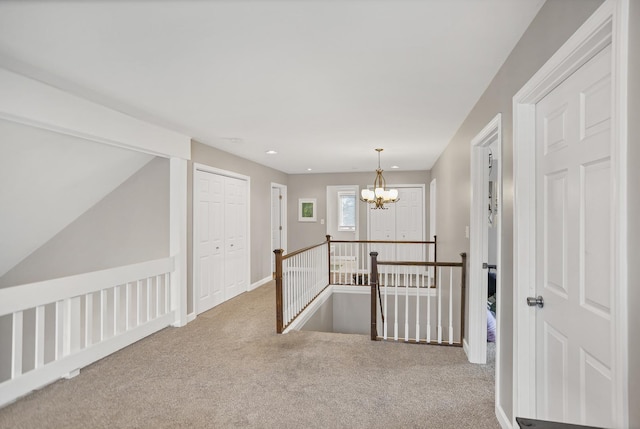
pixel 380 195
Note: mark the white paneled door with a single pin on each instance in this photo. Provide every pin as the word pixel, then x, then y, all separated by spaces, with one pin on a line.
pixel 401 221
pixel 221 270
pixel 410 223
pixel 574 232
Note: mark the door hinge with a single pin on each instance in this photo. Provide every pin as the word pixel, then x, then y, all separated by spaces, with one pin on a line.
pixel 485 265
pixel 280 228
pixel 280 196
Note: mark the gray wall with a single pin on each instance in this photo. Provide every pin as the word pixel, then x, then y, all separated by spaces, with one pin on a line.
pixel 343 313
pixel 260 201
pixel 127 226
pixel 554 24
pixel 352 313
pixel 321 321
pixel 634 213
pixel 302 234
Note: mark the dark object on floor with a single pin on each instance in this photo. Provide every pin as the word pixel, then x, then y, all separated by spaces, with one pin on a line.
pixel 492 284
pixel 542 424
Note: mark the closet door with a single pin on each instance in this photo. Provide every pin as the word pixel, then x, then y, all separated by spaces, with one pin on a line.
pixel 382 226
pixel 209 233
pixel 220 237
pixel 235 237
pixel 409 223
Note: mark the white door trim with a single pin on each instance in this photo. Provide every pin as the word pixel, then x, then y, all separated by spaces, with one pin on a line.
pixel 608 25
pixel 283 214
pixel 477 334
pixel 433 194
pixel 196 218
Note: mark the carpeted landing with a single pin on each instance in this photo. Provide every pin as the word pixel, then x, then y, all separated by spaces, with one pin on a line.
pixel 229 369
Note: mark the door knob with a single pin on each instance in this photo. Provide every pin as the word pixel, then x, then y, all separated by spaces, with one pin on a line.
pixel 537 301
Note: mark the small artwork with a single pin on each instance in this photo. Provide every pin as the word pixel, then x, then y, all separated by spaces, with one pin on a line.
pixel 307 210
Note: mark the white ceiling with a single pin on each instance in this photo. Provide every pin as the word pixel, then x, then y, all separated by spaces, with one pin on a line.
pixel 321 82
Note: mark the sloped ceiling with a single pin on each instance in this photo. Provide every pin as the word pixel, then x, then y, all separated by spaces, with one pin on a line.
pixel 47 180
pixel 323 82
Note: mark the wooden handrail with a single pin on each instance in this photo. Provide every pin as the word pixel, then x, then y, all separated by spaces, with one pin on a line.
pixel 297 252
pixel 383 241
pixel 422 263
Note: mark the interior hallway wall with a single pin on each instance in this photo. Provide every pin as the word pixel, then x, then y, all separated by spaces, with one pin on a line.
pixel 129 225
pixel 554 24
pixel 303 234
pixel 260 208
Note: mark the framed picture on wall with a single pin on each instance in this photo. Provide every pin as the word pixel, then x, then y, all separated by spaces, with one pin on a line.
pixel 306 210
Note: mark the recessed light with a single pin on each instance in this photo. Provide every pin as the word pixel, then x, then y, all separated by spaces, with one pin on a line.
pixel 308 169
pixel 394 166
pixel 271 152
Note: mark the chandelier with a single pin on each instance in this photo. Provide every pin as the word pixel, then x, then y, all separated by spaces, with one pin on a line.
pixel 379 196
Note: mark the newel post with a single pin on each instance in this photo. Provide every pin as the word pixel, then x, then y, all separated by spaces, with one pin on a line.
pixel 279 318
pixel 329 257
pixel 463 293
pixel 374 288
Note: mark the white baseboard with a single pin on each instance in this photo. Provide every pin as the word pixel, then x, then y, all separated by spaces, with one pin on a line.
pixel 465 347
pixel 260 283
pixel 502 418
pixel 191 317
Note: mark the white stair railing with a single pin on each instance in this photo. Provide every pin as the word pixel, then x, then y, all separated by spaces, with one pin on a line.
pixel 300 277
pixel 60 326
pixel 413 307
pixel 350 263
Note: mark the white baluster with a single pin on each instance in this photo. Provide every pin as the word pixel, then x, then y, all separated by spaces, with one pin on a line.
pixel 88 320
pixel 419 284
pixel 74 325
pixel 158 296
pixel 138 302
pixel 150 287
pixel 428 309
pixel 116 309
pixel 39 340
pixel 386 313
pixel 16 344
pixel 450 305
pixel 439 292
pixel 127 307
pixel 61 317
pixel 395 286
pixel 167 291
pixel 407 282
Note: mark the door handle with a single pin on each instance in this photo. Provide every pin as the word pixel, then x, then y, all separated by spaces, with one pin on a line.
pixel 537 301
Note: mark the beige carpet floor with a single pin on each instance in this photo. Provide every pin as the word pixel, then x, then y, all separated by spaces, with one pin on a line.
pixel 229 369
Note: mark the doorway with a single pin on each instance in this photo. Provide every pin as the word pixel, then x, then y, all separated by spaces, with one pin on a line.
pixel 569 232
pixel 278 219
pixel 485 237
